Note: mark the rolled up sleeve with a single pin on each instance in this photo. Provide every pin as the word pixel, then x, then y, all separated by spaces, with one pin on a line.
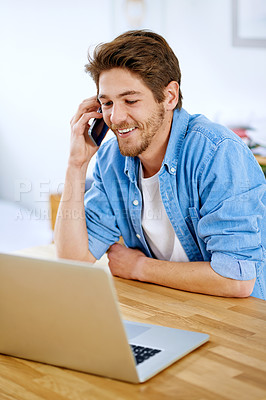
pixel 233 212
pixel 100 219
pixel 230 267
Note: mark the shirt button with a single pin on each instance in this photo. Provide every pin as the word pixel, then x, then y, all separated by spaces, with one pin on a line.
pixel 138 236
pixel 135 202
pixel 172 170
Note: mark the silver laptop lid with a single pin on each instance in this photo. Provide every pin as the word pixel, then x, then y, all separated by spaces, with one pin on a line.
pixel 57 312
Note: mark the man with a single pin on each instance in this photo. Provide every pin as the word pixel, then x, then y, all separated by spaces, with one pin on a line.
pixel 186 195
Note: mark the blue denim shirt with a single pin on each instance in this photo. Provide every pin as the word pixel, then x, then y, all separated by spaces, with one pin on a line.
pixel 212 188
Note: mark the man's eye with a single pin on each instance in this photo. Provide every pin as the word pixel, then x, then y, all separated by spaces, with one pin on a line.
pixel 131 101
pixel 107 104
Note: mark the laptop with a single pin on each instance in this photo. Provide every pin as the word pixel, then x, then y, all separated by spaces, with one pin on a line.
pixel 67 314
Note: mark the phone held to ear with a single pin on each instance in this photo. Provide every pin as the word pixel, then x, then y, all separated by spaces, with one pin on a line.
pixel 98 130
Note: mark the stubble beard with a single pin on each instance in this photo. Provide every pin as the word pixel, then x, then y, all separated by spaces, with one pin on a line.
pixel 147 131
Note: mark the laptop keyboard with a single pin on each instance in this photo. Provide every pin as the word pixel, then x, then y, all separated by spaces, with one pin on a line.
pixel 143 353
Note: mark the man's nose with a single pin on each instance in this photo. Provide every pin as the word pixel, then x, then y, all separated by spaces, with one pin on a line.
pixel 118 114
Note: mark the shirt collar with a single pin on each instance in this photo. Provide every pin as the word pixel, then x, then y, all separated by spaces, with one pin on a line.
pixel 131 168
pixel 178 132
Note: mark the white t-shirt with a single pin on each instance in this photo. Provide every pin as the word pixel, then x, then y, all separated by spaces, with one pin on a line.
pixel 156 225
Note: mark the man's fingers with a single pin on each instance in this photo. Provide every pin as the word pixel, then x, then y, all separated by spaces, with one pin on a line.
pixel 87 105
pixel 83 123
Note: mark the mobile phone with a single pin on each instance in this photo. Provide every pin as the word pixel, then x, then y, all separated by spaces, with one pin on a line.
pixel 98 130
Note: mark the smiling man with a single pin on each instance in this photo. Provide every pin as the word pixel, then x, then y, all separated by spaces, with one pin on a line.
pixel 186 195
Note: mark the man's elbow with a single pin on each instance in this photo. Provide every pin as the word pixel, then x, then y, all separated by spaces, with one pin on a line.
pixel 76 254
pixel 243 288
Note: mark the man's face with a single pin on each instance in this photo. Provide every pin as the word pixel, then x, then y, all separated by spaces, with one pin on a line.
pixel 130 110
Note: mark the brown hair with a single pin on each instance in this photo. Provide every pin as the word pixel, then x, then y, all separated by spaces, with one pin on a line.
pixel 142 52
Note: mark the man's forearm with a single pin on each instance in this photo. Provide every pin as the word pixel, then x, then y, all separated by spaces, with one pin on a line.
pixel 196 277
pixel 71 237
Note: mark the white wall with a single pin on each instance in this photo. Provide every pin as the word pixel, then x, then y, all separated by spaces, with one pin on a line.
pixel 43 50
pixel 219 80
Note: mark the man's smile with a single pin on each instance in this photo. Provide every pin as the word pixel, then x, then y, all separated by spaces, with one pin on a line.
pixel 125 133
pixel 122 131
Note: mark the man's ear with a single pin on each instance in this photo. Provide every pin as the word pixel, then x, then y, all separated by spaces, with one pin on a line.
pixel 171 95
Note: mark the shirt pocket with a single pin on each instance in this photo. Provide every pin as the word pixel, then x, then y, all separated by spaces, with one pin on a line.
pixel 192 221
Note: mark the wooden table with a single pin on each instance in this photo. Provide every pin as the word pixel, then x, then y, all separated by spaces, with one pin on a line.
pixel 232 365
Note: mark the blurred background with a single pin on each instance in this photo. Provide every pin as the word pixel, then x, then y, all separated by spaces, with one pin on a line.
pixel 43 49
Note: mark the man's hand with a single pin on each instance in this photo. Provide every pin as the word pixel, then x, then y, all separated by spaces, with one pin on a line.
pixel 81 147
pixel 125 262
pixel 196 277
pixel 71 236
